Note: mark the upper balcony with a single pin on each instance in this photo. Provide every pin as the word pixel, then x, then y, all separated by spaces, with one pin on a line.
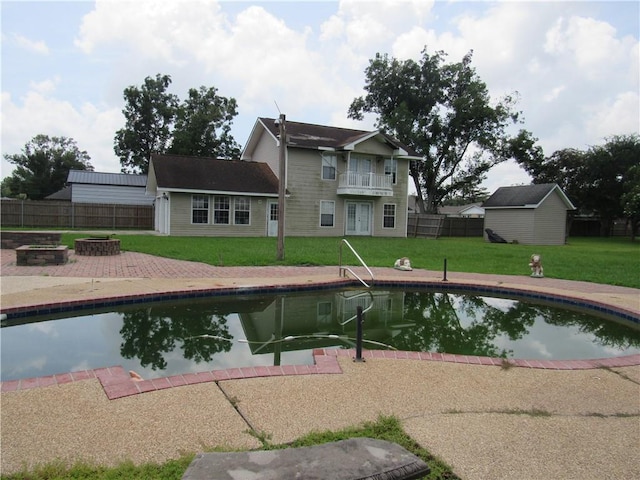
pixel 365 184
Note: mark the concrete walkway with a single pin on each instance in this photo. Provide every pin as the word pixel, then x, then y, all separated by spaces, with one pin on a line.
pixel 572 421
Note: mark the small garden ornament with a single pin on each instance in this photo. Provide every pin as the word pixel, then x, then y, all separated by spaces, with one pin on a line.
pixel 536 266
pixel 403 264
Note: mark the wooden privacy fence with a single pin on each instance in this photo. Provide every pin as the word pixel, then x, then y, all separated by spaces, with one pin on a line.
pixel 434 226
pixel 38 214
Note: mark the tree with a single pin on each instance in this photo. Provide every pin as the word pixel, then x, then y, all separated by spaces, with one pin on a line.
pixel 156 122
pixel 631 199
pixel 444 112
pixel 599 181
pixel 199 118
pixel 43 166
pixel 150 112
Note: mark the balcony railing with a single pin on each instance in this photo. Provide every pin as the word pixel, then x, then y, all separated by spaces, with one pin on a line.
pixel 368 184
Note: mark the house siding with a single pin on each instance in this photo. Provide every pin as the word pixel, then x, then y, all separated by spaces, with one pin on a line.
pixel 512 224
pixel 550 222
pixel 110 194
pixel 181 225
pixel 306 189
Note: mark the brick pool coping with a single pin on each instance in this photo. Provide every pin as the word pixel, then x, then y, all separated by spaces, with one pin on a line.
pixel 117 383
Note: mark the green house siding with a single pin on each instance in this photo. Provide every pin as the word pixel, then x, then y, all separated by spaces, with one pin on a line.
pixel 181 215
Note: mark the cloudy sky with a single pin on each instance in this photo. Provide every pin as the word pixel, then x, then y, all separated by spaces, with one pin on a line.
pixel 65 64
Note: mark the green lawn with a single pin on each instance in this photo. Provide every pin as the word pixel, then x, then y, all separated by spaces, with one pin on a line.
pixel 614 261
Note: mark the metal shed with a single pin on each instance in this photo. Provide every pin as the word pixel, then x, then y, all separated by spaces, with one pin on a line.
pixel 529 214
pixel 108 188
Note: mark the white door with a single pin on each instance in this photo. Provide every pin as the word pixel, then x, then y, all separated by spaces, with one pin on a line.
pixel 361 167
pixel 272 218
pixel 162 211
pixel 358 218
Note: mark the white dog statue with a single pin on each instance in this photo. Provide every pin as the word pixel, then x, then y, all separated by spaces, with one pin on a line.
pixel 403 264
pixel 536 266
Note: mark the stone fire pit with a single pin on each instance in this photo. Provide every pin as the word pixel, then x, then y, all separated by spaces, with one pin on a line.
pixel 97 246
pixel 35 255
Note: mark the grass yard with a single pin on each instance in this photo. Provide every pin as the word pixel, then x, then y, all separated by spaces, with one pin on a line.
pixel 614 261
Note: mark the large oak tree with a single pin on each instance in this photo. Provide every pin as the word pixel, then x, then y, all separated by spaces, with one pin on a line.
pixel 444 112
pixel 157 122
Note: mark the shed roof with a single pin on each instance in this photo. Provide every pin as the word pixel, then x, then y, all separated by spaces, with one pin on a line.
pixel 525 196
pixel 184 173
pixel 100 178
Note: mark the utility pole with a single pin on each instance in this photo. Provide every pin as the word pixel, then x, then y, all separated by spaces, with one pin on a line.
pixel 281 184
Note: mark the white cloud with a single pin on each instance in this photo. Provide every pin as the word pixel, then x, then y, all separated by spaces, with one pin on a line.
pixel 577 76
pixel 618 116
pixel 91 126
pixel 35 46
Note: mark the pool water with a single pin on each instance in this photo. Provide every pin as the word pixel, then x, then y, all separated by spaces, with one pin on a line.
pixel 163 339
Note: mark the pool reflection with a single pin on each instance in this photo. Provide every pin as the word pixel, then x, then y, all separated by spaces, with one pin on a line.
pixel 165 338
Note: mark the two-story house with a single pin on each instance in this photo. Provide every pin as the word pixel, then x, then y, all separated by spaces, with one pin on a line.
pixel 338 182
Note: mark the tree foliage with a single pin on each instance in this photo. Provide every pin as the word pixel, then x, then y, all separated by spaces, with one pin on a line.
pixel 43 166
pixel 199 119
pixel 149 112
pixel 602 181
pixel 156 122
pixel 444 112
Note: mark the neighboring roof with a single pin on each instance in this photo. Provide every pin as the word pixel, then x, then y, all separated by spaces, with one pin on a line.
pixel 183 173
pixel 525 196
pixel 471 208
pixel 98 178
pixel 64 194
pixel 307 135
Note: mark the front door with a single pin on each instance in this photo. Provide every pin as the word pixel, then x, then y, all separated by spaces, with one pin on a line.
pixel 272 218
pixel 359 218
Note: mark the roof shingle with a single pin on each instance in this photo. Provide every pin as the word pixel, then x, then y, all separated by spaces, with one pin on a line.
pixel 308 135
pixel 211 174
pixel 523 195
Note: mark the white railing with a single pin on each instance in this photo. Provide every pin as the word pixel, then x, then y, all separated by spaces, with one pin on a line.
pixel 364 180
pixel 343 269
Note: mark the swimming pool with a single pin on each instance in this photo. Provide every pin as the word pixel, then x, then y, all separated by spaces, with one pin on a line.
pixel 166 338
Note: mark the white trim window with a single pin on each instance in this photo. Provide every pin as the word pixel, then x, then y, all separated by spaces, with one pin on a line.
pixel 221 210
pixel 389 215
pixel 327 213
pixel 199 209
pixel 391 168
pixel 329 166
pixel 242 211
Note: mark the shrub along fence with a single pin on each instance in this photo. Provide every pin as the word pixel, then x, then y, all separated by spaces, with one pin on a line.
pixel 52 214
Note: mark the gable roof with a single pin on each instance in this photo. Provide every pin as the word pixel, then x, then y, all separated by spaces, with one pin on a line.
pixel 184 173
pixel 99 178
pixel 471 208
pixel 525 196
pixel 321 137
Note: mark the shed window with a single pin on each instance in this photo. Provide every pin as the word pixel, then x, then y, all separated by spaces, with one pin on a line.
pixel 199 209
